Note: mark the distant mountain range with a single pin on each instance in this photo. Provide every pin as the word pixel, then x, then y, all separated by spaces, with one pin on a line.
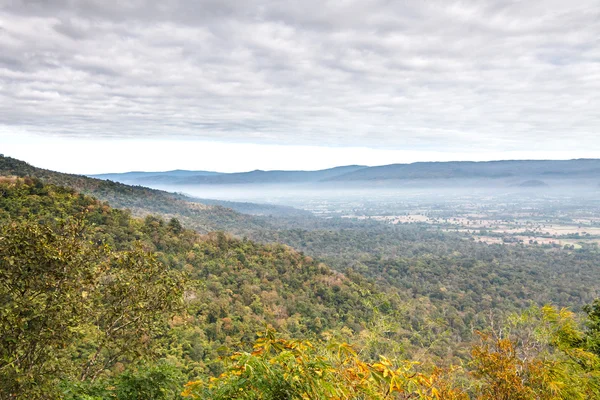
pixel 180 177
pixel 468 169
pixel 515 172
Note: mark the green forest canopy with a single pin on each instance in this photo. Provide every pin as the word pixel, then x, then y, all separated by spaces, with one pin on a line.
pixel 100 304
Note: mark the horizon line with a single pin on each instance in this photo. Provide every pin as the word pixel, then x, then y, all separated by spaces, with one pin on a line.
pixel 342 166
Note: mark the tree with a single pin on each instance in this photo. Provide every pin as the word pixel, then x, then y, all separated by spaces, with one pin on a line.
pixel 540 358
pixel 175 226
pixel 71 310
pixel 592 332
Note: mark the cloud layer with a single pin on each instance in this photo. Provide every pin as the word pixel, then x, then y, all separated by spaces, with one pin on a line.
pixel 422 75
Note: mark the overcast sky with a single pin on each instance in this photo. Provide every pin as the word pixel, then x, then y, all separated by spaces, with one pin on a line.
pixel 236 85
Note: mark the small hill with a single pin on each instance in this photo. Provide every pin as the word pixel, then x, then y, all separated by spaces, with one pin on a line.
pixel 258 209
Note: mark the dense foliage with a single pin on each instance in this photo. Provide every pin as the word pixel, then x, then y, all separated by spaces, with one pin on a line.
pixel 103 255
pixel 70 309
pixel 542 355
pixel 462 280
pixel 297 369
pixel 97 304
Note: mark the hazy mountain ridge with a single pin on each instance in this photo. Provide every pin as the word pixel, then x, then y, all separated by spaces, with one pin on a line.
pixel 256 176
pixel 511 172
pixel 518 169
pixel 141 175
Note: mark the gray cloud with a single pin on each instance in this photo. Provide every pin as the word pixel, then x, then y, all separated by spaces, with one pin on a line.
pixel 501 75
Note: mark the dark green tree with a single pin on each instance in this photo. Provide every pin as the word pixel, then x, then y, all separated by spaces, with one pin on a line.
pixel 592 332
pixel 72 310
pixel 175 226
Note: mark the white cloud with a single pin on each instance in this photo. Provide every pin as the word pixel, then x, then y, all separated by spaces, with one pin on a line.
pixel 437 78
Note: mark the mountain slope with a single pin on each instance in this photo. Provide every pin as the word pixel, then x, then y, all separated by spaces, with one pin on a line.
pixel 258 209
pixel 237 286
pixel 140 200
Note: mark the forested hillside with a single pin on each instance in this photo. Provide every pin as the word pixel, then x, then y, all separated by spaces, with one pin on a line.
pixel 99 304
pixel 458 281
pixel 234 287
pixel 140 200
pixel 463 278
